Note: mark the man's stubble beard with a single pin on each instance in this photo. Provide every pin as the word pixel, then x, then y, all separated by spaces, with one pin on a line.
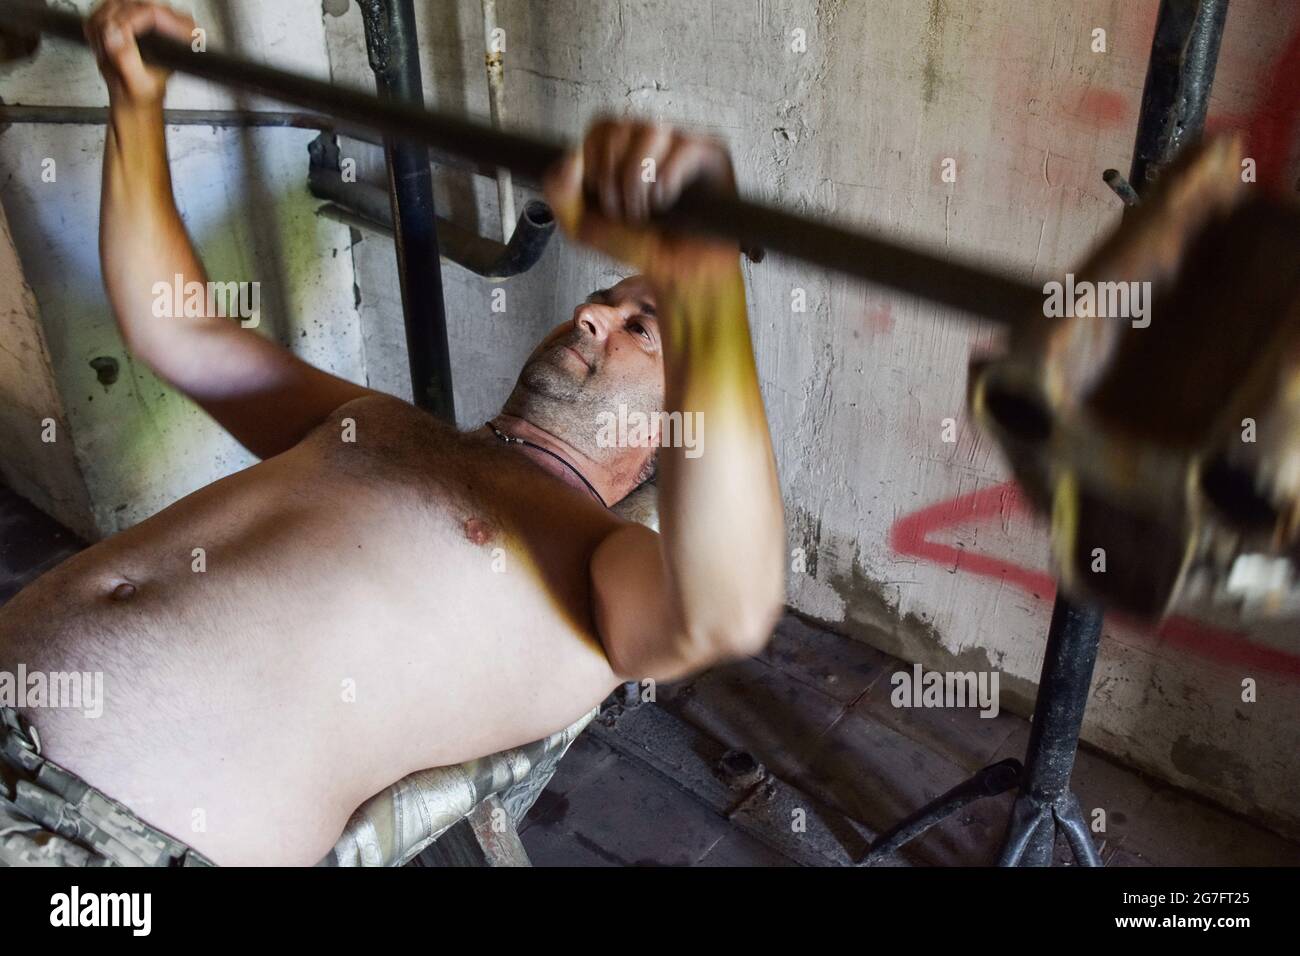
pixel 571 406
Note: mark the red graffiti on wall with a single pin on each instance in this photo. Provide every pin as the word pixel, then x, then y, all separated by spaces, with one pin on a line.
pixel 1271 127
pixel 910 536
pixel 1271 130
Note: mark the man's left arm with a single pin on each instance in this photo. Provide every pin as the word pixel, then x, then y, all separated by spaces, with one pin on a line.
pixel 711 585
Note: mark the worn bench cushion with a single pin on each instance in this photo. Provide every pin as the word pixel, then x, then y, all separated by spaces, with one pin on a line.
pixel 397 823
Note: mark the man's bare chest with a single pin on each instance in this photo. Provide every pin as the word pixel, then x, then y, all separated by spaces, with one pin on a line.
pixel 379 522
pixel 461 506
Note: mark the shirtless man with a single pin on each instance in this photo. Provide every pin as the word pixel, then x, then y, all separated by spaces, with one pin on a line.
pixel 370 562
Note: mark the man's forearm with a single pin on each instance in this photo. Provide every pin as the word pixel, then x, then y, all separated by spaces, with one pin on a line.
pixel 141 237
pixel 720 512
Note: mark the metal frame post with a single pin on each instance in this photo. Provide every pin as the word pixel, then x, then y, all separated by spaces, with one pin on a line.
pixel 394 51
pixel 1184 53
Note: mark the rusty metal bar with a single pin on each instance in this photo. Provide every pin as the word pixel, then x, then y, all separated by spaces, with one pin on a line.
pixel 966 286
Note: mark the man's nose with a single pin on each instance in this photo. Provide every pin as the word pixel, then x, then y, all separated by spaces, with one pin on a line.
pixel 597 320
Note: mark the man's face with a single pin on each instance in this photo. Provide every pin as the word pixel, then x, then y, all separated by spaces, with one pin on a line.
pixel 609 354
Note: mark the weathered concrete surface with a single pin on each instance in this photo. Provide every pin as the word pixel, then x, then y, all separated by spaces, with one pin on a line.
pixel 39 462
pixel 243 197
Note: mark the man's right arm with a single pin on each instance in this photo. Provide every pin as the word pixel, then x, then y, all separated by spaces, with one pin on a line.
pixel 261 393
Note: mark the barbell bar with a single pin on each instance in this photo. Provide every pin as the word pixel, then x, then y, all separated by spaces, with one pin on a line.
pixel 966 286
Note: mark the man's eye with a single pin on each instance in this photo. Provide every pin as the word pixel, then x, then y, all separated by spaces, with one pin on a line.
pixel 640 330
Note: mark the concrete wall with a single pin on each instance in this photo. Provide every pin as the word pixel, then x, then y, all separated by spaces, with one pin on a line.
pixel 914 544
pixel 39 461
pixel 139 445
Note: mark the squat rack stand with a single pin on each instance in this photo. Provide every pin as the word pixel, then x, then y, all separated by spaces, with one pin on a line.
pixel 1184 52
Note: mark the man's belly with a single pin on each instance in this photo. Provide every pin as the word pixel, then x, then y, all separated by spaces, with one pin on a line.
pixel 285 643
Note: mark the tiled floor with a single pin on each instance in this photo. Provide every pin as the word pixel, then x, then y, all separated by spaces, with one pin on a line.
pixel 645 785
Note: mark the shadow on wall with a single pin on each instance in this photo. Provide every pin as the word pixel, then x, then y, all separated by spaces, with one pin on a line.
pixel 139 444
pixel 269 245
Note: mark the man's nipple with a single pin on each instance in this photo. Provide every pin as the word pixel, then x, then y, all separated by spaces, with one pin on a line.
pixel 124 591
pixel 478 531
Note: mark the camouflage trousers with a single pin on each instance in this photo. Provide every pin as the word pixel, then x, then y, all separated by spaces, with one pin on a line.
pixel 50 817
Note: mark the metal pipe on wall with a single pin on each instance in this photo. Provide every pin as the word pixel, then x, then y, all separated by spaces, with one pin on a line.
pixel 494 48
pixel 1180 74
pixel 394 51
pixel 366 206
pixel 228 119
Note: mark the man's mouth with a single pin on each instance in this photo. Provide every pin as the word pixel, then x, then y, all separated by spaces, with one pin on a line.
pixel 578 355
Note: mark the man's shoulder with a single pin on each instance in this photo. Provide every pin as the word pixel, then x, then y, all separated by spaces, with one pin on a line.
pixel 377 403
pixel 378 426
pixel 387 411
